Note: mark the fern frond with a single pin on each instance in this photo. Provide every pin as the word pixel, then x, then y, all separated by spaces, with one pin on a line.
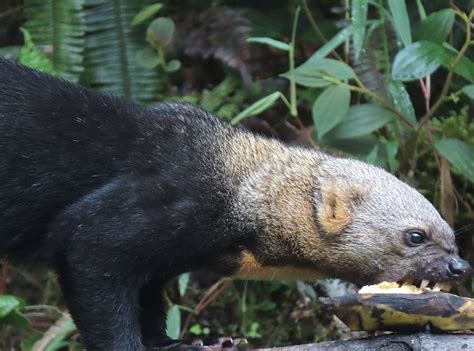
pixel 59 24
pixel 111 47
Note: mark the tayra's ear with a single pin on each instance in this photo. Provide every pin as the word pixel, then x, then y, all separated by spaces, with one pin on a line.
pixel 339 201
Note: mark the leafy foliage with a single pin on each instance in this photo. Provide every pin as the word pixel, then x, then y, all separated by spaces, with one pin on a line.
pixel 64 37
pixel 110 63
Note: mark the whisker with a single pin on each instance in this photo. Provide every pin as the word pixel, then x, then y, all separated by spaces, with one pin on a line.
pixel 463 229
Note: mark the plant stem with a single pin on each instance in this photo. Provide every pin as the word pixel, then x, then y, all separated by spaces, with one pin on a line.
pixel 291 54
pixel 449 78
pixel 320 34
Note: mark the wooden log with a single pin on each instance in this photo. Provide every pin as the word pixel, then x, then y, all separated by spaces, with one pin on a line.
pixel 408 313
pixel 391 342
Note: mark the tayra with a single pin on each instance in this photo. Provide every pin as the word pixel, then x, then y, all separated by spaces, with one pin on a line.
pixel 119 198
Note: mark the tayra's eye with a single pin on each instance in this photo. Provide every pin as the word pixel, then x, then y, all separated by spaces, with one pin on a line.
pixel 415 237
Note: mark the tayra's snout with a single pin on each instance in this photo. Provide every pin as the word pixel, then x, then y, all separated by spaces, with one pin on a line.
pixel 458 268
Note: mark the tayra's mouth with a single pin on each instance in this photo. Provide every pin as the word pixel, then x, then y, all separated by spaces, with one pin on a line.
pixel 426 284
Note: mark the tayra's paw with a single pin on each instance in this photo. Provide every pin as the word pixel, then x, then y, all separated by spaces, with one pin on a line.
pixel 219 344
pixel 225 343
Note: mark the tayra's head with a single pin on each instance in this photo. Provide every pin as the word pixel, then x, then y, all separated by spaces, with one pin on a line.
pixel 377 228
pixel 342 218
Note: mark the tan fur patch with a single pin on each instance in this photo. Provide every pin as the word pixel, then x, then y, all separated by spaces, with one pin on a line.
pixel 251 269
pixel 338 205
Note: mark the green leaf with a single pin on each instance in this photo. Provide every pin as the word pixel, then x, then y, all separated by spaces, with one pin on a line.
pixel 436 27
pixel 373 156
pixel 401 100
pixel 401 20
pixel 111 45
pixel 64 327
pixel 60 26
pixel 270 42
pixel 173 322
pixel 173 66
pixel 196 329
pixel 258 106
pixel 469 91
pixel 459 154
pixel 330 108
pixel 183 281
pixel 422 58
pixel 160 32
pixel 15 319
pixel 332 44
pixel 8 303
pixel 33 57
pixel 312 73
pixel 358 147
pixel 147 58
pixel 146 13
pixel 360 120
pixel 465 67
pixel 359 21
pixel 392 150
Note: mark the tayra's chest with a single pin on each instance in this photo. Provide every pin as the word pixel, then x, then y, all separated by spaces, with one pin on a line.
pixel 251 268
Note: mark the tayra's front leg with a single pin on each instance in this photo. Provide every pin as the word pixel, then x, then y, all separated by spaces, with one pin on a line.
pixel 107 245
pixel 116 248
pixel 104 307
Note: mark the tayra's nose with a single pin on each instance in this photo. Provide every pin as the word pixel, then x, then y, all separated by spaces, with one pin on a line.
pixel 458 268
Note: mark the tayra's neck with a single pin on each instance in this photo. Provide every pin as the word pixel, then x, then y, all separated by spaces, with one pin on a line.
pixel 275 198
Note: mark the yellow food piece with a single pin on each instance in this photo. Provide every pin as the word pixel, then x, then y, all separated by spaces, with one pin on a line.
pixel 394 288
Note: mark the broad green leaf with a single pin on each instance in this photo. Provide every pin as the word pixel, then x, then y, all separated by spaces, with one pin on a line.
pixel 312 73
pixel 330 108
pixel 146 13
pixel 418 60
pixel 360 120
pixel 333 43
pixel 183 281
pixel 469 91
pixel 8 303
pixel 401 100
pixel 465 67
pixel 459 154
pixel 257 107
pixel 160 32
pixel 147 58
pixel 422 58
pixel 359 21
pixel 111 46
pixel 401 20
pixel 33 57
pixel 359 147
pixel 60 26
pixel 173 322
pixel 15 319
pixel 436 27
pixel 173 66
pixel 270 42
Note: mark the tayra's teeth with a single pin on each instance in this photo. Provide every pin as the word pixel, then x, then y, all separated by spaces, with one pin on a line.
pixel 424 283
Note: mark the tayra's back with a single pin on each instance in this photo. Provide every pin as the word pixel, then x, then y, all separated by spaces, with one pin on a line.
pixel 58 141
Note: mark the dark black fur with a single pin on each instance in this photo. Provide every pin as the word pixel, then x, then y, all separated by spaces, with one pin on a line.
pixel 116 197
